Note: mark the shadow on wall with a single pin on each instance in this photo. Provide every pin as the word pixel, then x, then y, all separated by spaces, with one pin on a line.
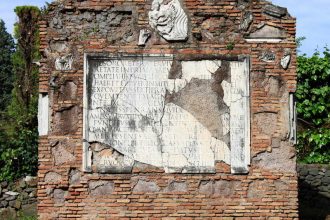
pixel 314 192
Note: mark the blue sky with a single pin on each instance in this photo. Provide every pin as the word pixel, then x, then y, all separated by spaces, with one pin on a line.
pixel 313 19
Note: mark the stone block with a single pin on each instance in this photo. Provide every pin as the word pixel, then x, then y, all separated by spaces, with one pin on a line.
pixel 101 188
pixel 175 186
pixel 146 186
pixel 52 177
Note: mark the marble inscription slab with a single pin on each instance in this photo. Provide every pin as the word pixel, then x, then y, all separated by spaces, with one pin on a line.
pixel 135 111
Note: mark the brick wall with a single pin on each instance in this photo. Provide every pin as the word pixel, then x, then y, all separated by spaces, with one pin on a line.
pixel 269 191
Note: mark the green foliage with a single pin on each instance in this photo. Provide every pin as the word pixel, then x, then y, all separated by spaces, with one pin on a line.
pixel 18 135
pixel 313 107
pixel 6 76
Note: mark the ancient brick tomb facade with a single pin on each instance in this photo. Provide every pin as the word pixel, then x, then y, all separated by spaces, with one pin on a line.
pixel 167 109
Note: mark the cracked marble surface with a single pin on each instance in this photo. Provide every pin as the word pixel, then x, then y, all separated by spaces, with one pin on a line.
pixel 128 110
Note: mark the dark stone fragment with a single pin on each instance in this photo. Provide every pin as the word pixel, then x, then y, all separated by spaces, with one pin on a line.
pixel 314 171
pixel 303 172
pixel 275 11
pixel 326 180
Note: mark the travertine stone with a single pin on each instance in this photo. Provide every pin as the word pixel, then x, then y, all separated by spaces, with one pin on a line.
pixel 134 108
pixel 43 114
pixel 169 19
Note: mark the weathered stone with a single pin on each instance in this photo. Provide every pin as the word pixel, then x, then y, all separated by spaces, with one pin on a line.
pixel 175 186
pixel 21 184
pixel 273 86
pixel 326 180
pixel 325 194
pixel 66 120
pixel 146 186
pixel 316 182
pixel 49 191
pixel 268 56
pixel 29 210
pixel 74 177
pixel 64 63
pixel 242 4
pixel 33 194
pixel 144 36
pixel 303 172
pixel 4 184
pixel 225 188
pixel 246 22
pixel 256 189
pixel 314 171
pixel 266 122
pixel 52 177
pixel 221 188
pixel 285 60
pixel 101 188
pixel 4 203
pixel 11 198
pixel 275 11
pixel 169 19
pixel 267 32
pixel 68 91
pixel 110 160
pixel 17 204
pixel 206 187
pixel 43 114
pixel 59 195
pixel 278 159
pixel 150 113
pixel 11 193
pixel 58 46
pixel 31 181
pixel 8 213
pixel 327 173
pixel 61 155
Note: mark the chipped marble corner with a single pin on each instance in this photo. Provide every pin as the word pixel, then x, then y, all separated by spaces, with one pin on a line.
pixel 268 56
pixel 144 36
pixel 169 19
pixel 285 60
pixel 64 63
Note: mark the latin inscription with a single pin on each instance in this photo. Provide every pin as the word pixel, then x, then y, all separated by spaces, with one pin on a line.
pixel 128 110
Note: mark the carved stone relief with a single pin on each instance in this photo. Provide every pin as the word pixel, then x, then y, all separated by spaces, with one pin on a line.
pixel 285 61
pixel 268 56
pixel 64 63
pixel 169 19
pixel 144 36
